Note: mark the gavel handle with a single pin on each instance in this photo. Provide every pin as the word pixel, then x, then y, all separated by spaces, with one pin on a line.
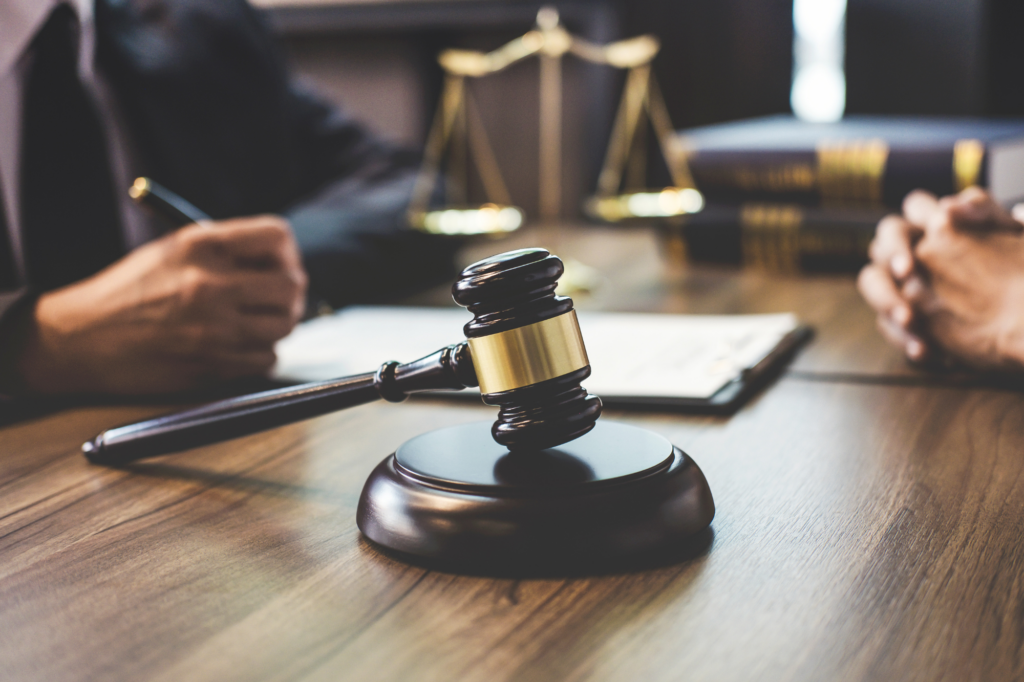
pixel 449 368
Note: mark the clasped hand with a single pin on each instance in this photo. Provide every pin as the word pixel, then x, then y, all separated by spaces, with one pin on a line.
pixel 203 304
pixel 947 281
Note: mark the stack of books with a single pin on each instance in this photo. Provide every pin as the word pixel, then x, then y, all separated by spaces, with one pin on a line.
pixel 793 196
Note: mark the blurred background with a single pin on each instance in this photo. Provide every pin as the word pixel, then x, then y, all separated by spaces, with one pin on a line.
pixel 720 61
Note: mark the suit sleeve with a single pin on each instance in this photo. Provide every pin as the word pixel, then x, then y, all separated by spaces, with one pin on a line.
pixel 15 309
pixel 15 298
pixel 218 118
pixel 351 226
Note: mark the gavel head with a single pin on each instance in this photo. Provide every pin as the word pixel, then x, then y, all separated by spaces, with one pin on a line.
pixel 527 349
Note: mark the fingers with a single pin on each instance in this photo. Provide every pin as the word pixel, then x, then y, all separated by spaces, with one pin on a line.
pixel 249 264
pixel 974 210
pixel 892 247
pixel 896 315
pixel 912 345
pixel 1018 214
pixel 210 341
pixel 919 295
pixel 262 241
pixel 241 289
pixel 971 211
pixel 882 294
pixel 261 292
pixel 253 332
pixel 204 294
pixel 248 316
pixel 938 249
pixel 919 206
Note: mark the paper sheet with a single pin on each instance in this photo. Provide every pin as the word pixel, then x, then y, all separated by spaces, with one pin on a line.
pixel 631 355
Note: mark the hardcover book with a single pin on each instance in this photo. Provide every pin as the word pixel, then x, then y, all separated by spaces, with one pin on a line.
pixel 779 237
pixel 858 161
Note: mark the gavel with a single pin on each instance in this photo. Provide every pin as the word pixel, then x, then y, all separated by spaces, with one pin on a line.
pixel 524 349
pixel 544 485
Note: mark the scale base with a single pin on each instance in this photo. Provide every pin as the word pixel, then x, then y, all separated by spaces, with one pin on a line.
pixel 455 499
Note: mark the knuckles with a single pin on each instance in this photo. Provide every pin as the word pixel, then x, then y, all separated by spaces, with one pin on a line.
pixel 298 280
pixel 975 196
pixel 193 242
pixel 200 340
pixel 207 290
pixel 294 282
pixel 940 237
pixel 891 230
pixel 915 196
pixel 935 246
pixel 890 226
pixel 943 223
pixel 198 286
pixel 278 232
pixel 275 222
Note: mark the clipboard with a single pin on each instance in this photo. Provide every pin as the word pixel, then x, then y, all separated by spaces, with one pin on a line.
pixel 692 363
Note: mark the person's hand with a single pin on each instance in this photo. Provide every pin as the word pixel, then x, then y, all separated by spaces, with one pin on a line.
pixel 972 304
pixel 893 269
pixel 202 304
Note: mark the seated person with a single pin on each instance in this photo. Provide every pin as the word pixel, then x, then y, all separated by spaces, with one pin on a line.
pixel 947 280
pixel 98 296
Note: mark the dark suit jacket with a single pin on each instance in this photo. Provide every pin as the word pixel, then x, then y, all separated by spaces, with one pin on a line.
pixel 216 118
pixel 213 115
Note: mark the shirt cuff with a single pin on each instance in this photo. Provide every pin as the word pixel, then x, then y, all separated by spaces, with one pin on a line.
pixel 12 306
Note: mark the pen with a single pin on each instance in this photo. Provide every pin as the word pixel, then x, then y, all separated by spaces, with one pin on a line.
pixel 165 202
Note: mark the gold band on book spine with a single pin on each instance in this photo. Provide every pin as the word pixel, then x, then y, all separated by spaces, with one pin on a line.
pixel 770 236
pixel 794 177
pixel 528 355
pixel 851 171
pixel 967 158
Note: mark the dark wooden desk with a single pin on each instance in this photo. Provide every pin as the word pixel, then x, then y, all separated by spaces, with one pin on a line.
pixel 864 531
pixel 637 276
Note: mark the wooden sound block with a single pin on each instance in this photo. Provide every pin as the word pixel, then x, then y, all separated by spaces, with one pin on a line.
pixel 456 498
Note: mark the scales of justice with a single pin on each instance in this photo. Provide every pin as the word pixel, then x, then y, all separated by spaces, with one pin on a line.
pixel 547 485
pixel 458 131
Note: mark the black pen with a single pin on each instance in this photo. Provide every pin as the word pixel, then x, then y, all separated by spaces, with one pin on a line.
pixel 166 203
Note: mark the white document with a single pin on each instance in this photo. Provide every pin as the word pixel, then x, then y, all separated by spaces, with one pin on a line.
pixel 631 355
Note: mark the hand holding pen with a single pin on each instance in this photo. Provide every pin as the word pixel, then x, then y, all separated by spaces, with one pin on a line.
pixel 203 303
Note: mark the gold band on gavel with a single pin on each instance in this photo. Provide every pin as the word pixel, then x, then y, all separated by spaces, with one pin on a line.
pixel 528 355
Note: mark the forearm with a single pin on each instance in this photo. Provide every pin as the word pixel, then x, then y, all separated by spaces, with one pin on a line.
pixel 43 349
pixel 60 352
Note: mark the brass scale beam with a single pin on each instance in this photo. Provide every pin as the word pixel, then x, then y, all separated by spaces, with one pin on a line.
pixel 457 114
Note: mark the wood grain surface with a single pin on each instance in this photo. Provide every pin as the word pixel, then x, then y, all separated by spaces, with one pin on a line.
pixel 634 274
pixel 865 530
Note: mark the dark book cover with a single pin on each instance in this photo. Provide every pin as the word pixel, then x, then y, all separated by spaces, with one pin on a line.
pixel 780 237
pixel 858 161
